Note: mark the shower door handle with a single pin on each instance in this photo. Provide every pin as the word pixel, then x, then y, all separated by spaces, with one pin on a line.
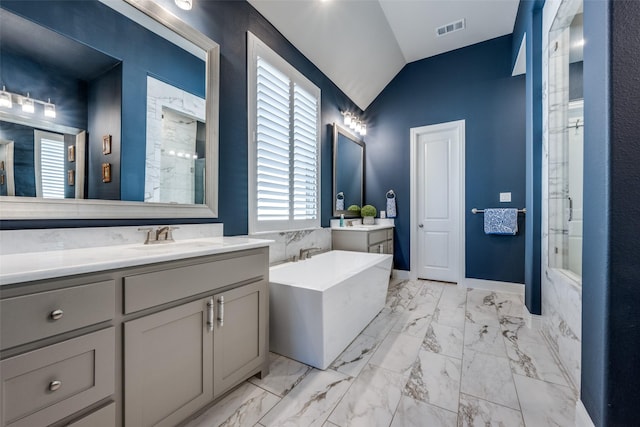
pixel 570 209
pixel 420 225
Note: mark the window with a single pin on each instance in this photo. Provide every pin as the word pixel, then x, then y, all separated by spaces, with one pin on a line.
pixel 284 144
pixel 49 154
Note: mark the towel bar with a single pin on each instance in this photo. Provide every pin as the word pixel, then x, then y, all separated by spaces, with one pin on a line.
pixel 477 211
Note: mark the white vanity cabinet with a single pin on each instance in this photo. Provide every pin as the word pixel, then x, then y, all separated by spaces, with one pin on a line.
pixel 137 346
pixel 360 239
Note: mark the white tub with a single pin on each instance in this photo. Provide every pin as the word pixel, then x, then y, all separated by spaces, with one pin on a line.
pixel 318 306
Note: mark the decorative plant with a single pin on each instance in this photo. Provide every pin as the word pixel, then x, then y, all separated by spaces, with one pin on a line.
pixel 368 210
pixel 354 208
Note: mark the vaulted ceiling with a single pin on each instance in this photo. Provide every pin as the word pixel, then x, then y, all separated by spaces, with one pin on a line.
pixel 362 44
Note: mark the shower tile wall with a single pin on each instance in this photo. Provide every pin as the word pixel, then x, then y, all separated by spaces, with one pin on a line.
pixel 561 296
pixel 174 175
pixel 288 243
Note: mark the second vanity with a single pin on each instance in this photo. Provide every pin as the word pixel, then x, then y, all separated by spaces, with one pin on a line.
pixel 376 238
pixel 133 335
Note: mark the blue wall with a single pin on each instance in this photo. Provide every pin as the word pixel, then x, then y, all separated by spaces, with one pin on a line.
pixel 473 84
pixel 610 292
pixel 529 21
pixel 226 22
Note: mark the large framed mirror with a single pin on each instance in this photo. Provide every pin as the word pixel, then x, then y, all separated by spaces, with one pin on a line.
pixel 111 114
pixel 348 172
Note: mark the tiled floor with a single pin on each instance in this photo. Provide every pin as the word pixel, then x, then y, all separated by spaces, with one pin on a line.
pixel 436 355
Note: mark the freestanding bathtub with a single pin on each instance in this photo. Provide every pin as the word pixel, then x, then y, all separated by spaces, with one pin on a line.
pixel 318 306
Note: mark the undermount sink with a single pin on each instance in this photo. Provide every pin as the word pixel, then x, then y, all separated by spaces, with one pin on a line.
pixel 177 246
pixel 366 226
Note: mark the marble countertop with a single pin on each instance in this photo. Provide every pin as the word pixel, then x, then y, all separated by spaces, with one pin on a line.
pixel 25 267
pixel 361 227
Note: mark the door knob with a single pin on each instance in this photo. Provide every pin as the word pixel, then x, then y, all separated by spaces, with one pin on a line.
pixel 420 225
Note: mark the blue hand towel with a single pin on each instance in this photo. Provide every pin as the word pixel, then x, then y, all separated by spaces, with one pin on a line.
pixel 501 221
pixel 340 201
pixel 391 204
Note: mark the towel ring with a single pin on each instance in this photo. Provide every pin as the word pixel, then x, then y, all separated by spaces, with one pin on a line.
pixel 340 196
pixel 390 194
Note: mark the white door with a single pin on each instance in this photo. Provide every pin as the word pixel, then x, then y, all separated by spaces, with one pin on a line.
pixel 439 180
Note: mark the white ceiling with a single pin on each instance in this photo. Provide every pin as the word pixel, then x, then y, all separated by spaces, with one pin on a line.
pixel 362 44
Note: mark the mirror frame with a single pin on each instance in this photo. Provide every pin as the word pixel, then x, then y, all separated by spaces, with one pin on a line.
pixel 339 130
pixel 21 208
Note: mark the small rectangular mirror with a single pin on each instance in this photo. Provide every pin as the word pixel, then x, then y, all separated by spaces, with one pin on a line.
pixel 348 172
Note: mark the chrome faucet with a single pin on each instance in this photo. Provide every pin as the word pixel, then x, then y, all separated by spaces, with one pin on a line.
pixel 160 235
pixel 306 253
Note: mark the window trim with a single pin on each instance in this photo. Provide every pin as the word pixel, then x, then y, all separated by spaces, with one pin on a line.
pixel 255 48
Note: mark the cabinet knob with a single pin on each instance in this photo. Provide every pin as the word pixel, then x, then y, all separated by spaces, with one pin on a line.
pixel 56 314
pixel 55 385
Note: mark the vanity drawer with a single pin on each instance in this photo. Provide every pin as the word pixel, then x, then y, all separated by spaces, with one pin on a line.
pixel 43 386
pixel 32 317
pixel 103 417
pixel 150 289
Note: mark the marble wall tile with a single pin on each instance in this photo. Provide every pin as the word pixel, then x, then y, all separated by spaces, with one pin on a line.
pixel 397 352
pixel 545 404
pixel 474 412
pixel 311 402
pixel 435 379
pixel 51 239
pixel 488 377
pixel 286 244
pixel 413 413
pixel 284 375
pixel 244 406
pixel 443 339
pixel 356 356
pixel 372 399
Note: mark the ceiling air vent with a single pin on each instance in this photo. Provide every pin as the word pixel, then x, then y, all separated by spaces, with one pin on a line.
pixel 450 28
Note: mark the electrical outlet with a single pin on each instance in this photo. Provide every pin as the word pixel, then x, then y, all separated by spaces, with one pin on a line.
pixel 505 197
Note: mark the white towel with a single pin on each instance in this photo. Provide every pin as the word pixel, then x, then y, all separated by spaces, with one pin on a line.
pixel 391 204
pixel 501 221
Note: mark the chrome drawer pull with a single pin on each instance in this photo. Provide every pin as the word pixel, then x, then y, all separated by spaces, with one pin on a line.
pixel 56 314
pixel 221 310
pixel 210 314
pixel 55 385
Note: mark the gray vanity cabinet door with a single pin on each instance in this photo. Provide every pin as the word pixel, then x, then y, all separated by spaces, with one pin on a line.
pixel 167 365
pixel 240 334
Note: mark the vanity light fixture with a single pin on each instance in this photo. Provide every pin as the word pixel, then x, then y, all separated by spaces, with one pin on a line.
pixel 353 122
pixel 28 105
pixel 184 4
pixel 5 98
pixel 49 109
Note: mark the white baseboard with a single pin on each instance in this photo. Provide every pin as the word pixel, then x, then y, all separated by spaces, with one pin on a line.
pixel 400 274
pixel 492 285
pixel 582 416
pixel 533 320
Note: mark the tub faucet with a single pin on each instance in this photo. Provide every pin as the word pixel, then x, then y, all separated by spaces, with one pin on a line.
pixel 306 253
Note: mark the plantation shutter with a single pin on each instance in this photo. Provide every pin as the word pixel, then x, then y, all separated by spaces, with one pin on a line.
pixel 285 150
pixel 52 168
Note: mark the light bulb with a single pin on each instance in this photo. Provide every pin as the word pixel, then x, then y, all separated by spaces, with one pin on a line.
pixel 50 110
pixel 347 119
pixel 352 125
pixel 358 126
pixel 184 4
pixel 363 131
pixel 27 104
pixel 5 98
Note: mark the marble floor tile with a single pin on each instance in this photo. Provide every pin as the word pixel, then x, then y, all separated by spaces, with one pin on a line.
pixel 528 353
pixel 381 325
pixel 413 323
pixel 481 308
pixel 451 307
pixel 399 297
pixel 330 424
pixel 371 400
pixel 412 412
pixel 311 402
pixel 426 298
pixel 510 304
pixel 488 377
pixel 474 412
pixel 545 404
pixel 484 339
pixel 242 407
pixel 443 339
pixel 356 356
pixel 284 375
pixel 397 352
pixel 435 379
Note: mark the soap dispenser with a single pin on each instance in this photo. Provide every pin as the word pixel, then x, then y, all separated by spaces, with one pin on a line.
pixel 341 220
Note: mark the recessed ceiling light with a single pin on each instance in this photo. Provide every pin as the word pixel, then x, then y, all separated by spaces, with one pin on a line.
pixel 184 4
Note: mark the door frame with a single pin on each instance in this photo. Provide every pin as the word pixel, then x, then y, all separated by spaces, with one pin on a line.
pixel 459 126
